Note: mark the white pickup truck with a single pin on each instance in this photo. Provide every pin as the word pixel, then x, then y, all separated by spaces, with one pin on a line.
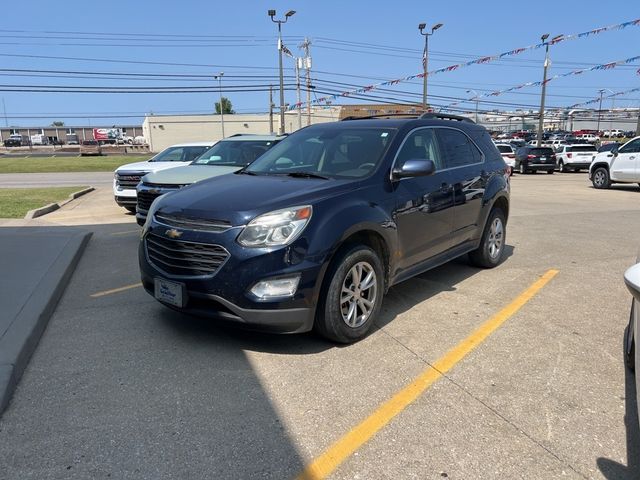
pixel 620 165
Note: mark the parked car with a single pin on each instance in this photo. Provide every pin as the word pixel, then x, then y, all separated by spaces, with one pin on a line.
pixel 556 144
pixel 617 166
pixel 508 154
pixel 16 140
pixel 575 157
pixel 226 156
pixel 90 147
pixel 531 159
pixel 314 232
pixel 588 138
pixel 127 177
pixel 613 133
pixel 632 280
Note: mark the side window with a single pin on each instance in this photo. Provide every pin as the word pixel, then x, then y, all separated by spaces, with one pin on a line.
pixel 457 149
pixel 420 145
pixel 631 147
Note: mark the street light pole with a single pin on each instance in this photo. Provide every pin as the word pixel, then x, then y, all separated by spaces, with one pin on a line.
pixel 613 108
pixel 599 110
pixel 425 59
pixel 476 99
pixel 219 77
pixel 272 13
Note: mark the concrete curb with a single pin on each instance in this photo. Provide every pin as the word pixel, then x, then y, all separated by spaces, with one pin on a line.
pixel 19 342
pixel 38 212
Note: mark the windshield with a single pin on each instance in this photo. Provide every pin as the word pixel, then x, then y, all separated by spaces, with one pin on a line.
pixel 180 154
pixel 328 152
pixel 236 153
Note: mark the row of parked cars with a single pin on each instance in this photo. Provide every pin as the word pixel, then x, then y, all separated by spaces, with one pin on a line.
pixel 309 230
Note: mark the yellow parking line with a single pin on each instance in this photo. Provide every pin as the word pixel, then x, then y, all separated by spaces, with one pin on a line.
pixel 344 447
pixel 115 290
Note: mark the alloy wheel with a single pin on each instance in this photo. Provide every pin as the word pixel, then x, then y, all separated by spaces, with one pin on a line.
pixel 359 293
pixel 496 235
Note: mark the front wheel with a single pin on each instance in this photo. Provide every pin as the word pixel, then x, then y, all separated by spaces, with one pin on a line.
pixel 629 344
pixel 489 253
pixel 131 209
pixel 352 298
pixel 601 178
pixel 550 172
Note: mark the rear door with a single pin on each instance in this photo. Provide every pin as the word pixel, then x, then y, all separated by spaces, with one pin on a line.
pixel 424 205
pixel 625 164
pixel 465 163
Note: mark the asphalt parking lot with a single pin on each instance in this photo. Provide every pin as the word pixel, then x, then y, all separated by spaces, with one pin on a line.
pixel 121 387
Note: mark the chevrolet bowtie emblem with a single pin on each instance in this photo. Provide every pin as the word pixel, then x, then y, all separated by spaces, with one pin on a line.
pixel 173 233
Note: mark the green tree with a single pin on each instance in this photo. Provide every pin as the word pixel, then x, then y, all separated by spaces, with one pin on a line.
pixel 57 123
pixel 227 107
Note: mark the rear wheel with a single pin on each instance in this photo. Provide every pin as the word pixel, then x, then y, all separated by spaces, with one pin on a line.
pixel 629 344
pixel 601 178
pixel 353 296
pixel 131 209
pixel 489 253
pixel 550 172
pixel 561 167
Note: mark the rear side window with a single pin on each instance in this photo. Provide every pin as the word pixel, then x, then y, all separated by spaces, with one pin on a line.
pixel 457 148
pixel 504 148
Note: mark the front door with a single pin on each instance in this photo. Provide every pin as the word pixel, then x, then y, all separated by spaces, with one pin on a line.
pixel 625 164
pixel 424 205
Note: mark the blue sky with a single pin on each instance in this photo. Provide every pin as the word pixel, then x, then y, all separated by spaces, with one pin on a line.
pixel 239 39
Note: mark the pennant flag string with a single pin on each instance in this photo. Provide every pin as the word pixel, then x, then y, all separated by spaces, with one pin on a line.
pixel 477 61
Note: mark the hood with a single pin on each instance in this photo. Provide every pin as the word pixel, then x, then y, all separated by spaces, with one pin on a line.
pixel 148 166
pixel 239 198
pixel 187 175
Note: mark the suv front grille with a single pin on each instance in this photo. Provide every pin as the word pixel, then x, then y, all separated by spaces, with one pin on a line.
pixel 128 180
pixel 190 223
pixel 146 198
pixel 176 257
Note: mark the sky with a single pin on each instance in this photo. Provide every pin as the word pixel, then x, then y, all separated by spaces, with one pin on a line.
pixel 116 45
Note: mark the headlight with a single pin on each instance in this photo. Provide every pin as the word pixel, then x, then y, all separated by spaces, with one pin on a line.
pixel 277 228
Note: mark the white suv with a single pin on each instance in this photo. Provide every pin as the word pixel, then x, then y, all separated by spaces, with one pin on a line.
pixel 127 177
pixel 617 166
pixel 575 157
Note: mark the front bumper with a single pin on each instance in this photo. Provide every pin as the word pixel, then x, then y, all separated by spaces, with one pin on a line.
pixel 578 164
pixel 224 295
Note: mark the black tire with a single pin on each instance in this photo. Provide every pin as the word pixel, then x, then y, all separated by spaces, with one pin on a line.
pixel 482 256
pixel 330 322
pixel 131 209
pixel 629 344
pixel 600 178
pixel 561 167
pixel 550 172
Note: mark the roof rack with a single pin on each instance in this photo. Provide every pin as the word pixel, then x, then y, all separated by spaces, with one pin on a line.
pixel 381 115
pixel 445 116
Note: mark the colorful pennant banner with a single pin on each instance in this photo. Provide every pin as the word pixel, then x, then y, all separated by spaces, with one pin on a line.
pixel 597 99
pixel 478 61
pixel 604 66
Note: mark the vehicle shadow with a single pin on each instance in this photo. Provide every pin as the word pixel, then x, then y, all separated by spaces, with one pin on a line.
pixel 408 294
pixel 611 469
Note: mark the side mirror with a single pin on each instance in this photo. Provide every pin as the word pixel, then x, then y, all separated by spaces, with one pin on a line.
pixel 632 280
pixel 415 168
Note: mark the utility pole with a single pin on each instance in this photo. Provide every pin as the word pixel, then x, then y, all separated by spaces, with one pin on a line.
pixel 298 67
pixel 307 65
pixel 425 59
pixel 638 125
pixel 544 90
pixel 272 13
pixel 270 108
pixel 219 77
pixel 599 110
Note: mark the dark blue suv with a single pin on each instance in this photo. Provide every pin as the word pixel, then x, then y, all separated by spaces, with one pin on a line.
pixel 316 230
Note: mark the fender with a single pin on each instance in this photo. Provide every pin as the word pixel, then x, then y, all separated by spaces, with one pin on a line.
pixel 497 188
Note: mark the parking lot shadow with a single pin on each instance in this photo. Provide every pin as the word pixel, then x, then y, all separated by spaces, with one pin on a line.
pixel 408 294
pixel 611 469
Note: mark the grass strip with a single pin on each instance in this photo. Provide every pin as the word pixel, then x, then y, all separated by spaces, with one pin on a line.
pixel 66 164
pixel 16 202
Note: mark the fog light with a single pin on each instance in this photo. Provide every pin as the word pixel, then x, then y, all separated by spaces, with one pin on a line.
pixel 276 288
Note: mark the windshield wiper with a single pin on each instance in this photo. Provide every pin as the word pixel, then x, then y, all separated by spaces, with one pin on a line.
pixel 306 175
